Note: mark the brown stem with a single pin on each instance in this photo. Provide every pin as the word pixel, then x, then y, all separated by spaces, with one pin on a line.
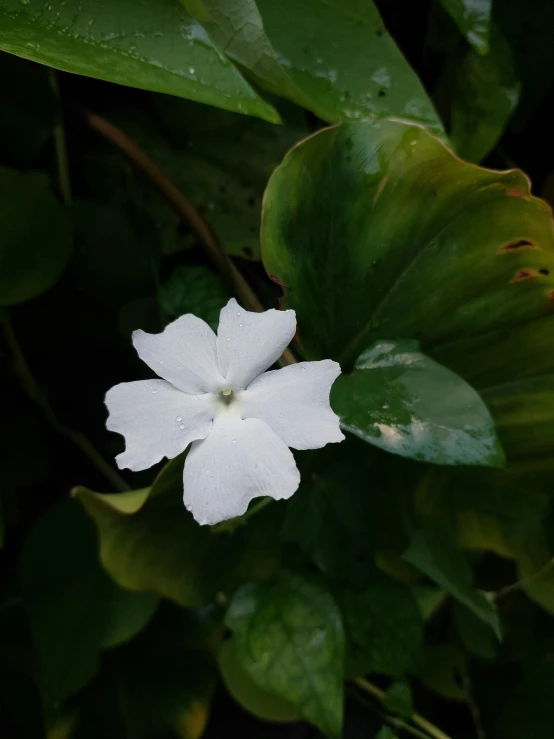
pixel 376 692
pixel 186 210
pixel 32 389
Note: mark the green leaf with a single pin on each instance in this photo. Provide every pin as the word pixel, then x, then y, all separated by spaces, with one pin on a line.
pixel 160 684
pixel 289 639
pixel 149 541
pixel 247 693
pixel 384 629
pixel 398 699
pixel 333 517
pixel 155 46
pixel 473 19
pixel 483 93
pixel 440 670
pixel 195 290
pixel 472 253
pixel 386 733
pixel 36 236
pixel 401 401
pixel 335 58
pixel 436 555
pixel 66 592
pixel 475 636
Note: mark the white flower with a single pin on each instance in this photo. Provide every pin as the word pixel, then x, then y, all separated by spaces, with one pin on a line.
pixel 216 394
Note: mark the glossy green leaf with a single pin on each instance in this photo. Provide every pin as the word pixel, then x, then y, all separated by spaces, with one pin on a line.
pixel 336 59
pixel 473 18
pixel 155 46
pixel 331 224
pixel 484 92
pixel 36 236
pixel 289 639
pixel 66 592
pixel 384 629
pixel 149 541
pixel 436 555
pixel 247 693
pixel 195 290
pixel 405 403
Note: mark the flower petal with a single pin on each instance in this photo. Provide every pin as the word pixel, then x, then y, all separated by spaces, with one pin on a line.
pixel 184 354
pixel 238 461
pixel 294 402
pixel 157 420
pixel 248 343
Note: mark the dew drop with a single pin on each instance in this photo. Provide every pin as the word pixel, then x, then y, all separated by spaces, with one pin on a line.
pixel 303 369
pixel 240 325
pixel 188 507
pixel 238 314
pixel 191 70
pixel 182 426
pixel 385 405
pixel 179 418
pixel 234 441
pixel 161 361
pixel 154 392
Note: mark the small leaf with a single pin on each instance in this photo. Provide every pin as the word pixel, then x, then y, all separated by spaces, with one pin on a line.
pixel 398 699
pixel 436 555
pixel 157 47
pixel 384 629
pixel 195 290
pixel 289 639
pixel 247 693
pixel 400 400
pixel 36 236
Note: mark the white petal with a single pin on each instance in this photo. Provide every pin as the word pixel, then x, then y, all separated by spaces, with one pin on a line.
pixel 184 354
pixel 248 343
pixel 294 402
pixel 238 461
pixel 157 420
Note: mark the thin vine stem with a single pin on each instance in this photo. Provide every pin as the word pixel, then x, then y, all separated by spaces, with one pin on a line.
pixel 376 692
pixel 184 208
pixel 35 393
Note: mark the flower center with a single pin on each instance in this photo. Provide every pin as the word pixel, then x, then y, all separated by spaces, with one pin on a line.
pixel 226 395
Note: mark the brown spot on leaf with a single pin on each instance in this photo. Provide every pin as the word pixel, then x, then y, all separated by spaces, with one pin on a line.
pixel 524 274
pixel 517 246
pixel 517 192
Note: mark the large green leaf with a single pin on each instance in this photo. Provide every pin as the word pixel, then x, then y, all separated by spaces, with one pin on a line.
pixel 35 236
pixel 289 638
pixel 436 555
pixel 149 541
pixel 75 609
pixel 153 45
pixel 384 628
pixel 195 290
pixel 335 58
pixel 378 230
pixel 473 18
pixel 400 400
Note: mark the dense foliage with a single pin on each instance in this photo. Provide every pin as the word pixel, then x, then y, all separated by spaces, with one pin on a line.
pixel 158 157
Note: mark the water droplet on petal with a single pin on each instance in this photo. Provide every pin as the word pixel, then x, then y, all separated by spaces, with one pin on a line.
pixel 234 441
pixel 179 418
pixel 303 369
pixel 240 325
pixel 238 314
pixel 161 361
pixel 228 338
pixel 188 507
pixel 182 426
pixel 154 392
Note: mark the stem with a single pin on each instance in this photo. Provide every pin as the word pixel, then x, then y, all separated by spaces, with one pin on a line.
pixel 472 705
pixel 376 692
pixel 521 583
pixel 186 210
pixel 64 180
pixel 34 392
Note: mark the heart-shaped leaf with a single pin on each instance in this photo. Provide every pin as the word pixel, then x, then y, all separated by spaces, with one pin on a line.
pixel 400 400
